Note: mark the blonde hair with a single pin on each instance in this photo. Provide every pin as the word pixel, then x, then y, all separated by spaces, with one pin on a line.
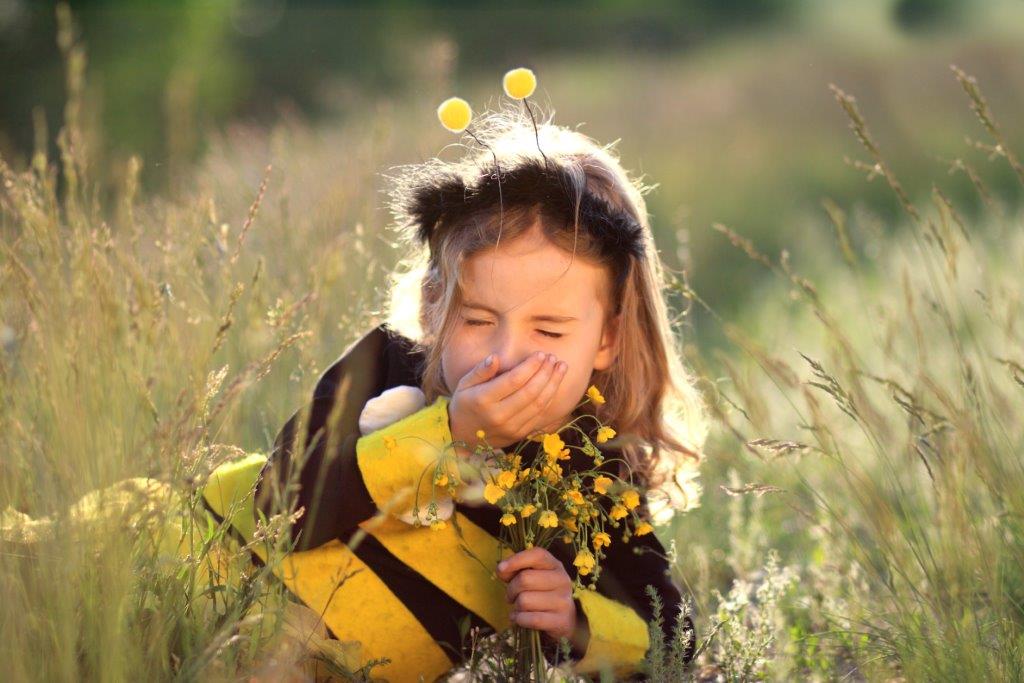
pixel 651 398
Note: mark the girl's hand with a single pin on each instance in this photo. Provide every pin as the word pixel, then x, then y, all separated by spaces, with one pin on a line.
pixel 540 591
pixel 508 408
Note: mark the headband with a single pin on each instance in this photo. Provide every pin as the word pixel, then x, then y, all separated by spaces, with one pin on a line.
pixel 445 199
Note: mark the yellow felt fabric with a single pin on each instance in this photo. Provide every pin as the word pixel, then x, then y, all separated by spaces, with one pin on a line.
pixel 229 493
pixel 361 608
pixel 394 460
pixel 618 635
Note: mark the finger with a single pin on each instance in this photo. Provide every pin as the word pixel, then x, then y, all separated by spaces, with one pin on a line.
pixel 535 558
pixel 503 385
pixel 525 398
pixel 481 373
pixel 536 418
pixel 534 580
pixel 542 601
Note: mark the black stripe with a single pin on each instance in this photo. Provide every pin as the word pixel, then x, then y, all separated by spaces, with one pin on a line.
pixel 484 516
pixel 436 611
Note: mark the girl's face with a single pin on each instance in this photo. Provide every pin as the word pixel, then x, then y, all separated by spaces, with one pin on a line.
pixel 527 298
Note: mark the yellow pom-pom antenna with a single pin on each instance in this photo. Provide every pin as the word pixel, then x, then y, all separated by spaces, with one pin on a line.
pixel 455 114
pixel 519 83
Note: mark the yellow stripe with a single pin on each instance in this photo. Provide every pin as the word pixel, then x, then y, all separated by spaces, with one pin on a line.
pixel 618 635
pixel 437 555
pixel 363 608
pixel 394 459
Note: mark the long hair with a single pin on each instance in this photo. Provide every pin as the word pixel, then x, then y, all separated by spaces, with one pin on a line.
pixel 458 209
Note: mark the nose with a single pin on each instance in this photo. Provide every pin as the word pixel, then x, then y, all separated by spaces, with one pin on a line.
pixel 510 349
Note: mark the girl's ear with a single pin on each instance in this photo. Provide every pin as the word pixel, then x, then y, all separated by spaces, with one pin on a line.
pixel 606 351
pixel 429 202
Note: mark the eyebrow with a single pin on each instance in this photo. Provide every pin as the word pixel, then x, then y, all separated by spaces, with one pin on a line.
pixel 536 318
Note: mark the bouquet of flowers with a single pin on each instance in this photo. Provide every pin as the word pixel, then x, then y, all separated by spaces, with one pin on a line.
pixel 541 504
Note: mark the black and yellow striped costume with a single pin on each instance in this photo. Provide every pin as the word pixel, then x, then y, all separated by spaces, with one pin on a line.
pixel 415 583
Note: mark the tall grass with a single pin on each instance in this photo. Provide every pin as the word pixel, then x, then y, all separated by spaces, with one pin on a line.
pixel 881 407
pixel 868 518
pixel 121 361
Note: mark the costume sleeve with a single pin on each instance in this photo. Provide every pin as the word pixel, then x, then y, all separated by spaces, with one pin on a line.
pixel 342 478
pixel 613 621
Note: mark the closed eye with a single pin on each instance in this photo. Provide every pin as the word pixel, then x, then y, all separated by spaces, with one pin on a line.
pixel 477 323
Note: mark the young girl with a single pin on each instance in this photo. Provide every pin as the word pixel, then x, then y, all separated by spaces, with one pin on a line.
pixel 527 286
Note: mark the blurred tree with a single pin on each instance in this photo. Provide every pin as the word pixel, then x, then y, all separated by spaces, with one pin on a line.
pixel 161 72
pixel 917 14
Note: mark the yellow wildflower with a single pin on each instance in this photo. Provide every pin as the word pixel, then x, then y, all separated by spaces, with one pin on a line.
pixel 605 433
pixel 528 510
pixel 570 524
pixel 553 473
pixel 574 495
pixel 507 479
pixel 553 444
pixel 480 434
pixel 441 478
pixel 438 524
pixel 519 83
pixel 454 114
pixel 523 474
pixel 618 512
pixel 601 484
pixel 548 519
pixel 595 395
pixel 508 519
pixel 493 493
pixel 643 528
pixel 585 561
pixel 631 498
pixel 601 539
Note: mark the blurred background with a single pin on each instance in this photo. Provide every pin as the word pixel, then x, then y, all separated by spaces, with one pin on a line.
pixel 724 104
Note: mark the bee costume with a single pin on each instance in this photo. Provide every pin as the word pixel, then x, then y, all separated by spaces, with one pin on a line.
pixel 415 583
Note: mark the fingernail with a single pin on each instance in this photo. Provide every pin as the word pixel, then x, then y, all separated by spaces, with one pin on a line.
pixel 502 565
pixel 489 360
